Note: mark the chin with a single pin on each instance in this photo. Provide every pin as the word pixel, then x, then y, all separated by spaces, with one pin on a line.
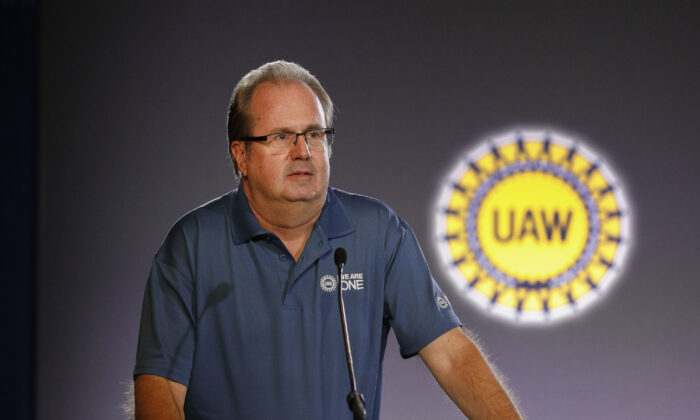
pixel 305 194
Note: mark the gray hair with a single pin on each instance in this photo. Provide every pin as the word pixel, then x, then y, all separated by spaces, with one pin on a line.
pixel 238 121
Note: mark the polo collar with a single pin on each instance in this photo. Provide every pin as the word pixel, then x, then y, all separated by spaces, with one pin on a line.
pixel 333 222
pixel 244 226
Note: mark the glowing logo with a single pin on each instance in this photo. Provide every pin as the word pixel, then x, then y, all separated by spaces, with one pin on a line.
pixel 532 226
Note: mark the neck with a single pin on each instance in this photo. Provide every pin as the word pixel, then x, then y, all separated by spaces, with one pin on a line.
pixel 292 222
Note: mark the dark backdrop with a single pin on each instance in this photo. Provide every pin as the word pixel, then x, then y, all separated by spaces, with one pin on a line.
pixel 133 98
pixel 18 76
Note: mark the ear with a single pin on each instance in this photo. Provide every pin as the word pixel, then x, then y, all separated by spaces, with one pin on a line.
pixel 238 151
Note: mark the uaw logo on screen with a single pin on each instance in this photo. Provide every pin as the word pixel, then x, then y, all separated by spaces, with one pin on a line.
pixel 532 226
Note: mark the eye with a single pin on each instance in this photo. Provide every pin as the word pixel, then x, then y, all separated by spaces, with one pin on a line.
pixel 280 136
pixel 316 134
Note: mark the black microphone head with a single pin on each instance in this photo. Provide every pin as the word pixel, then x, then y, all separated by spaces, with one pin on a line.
pixel 340 256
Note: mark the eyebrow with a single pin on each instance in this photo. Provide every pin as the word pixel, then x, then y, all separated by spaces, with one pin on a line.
pixel 289 130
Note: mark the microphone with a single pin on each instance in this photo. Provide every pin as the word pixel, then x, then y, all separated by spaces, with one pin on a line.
pixel 340 257
pixel 356 401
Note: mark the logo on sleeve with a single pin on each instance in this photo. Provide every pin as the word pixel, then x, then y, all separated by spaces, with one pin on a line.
pixel 442 302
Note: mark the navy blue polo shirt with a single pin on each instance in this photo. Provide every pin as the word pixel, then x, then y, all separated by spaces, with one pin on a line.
pixel 255 335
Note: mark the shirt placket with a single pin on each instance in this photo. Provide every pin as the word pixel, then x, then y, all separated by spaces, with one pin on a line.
pixel 316 246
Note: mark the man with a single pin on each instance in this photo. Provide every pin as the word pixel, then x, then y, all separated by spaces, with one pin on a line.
pixel 240 316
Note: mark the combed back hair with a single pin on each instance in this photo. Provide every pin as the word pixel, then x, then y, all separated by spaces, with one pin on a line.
pixel 238 122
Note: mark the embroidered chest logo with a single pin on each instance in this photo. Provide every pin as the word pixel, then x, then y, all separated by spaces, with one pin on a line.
pixel 328 283
pixel 532 226
pixel 350 282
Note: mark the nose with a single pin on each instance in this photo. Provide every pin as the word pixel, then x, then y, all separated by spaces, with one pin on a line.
pixel 301 148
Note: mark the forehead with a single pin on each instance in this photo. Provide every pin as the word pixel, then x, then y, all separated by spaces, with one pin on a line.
pixel 288 104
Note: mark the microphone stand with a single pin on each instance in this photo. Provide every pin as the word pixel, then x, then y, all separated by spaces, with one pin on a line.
pixel 355 399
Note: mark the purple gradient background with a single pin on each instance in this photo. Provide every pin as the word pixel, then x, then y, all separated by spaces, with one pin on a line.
pixel 133 97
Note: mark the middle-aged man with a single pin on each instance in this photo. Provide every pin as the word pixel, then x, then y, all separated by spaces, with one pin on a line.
pixel 241 317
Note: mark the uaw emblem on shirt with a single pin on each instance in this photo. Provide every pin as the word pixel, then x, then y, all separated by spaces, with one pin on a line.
pixel 532 226
pixel 328 283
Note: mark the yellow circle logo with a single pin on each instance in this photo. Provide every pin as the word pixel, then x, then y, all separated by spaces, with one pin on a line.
pixel 532 226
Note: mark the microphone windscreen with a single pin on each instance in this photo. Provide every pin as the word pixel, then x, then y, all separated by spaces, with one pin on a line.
pixel 340 256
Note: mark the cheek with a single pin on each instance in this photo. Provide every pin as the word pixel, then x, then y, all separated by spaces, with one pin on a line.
pixel 258 163
pixel 271 173
pixel 270 170
pixel 326 164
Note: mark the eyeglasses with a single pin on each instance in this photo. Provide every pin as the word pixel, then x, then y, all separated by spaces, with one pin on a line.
pixel 316 139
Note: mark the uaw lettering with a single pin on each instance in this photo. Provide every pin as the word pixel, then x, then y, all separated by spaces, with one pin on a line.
pixel 532 226
pixel 350 282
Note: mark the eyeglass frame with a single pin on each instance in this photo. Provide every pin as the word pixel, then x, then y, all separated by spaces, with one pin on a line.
pixel 326 131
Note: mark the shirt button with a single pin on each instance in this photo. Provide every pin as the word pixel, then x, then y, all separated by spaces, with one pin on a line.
pixel 282 256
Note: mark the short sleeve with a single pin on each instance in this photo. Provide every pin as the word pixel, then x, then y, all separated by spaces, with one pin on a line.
pixel 167 331
pixel 418 310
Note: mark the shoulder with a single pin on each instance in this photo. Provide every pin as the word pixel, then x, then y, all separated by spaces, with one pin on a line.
pixel 373 219
pixel 189 228
pixel 213 211
pixel 362 208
